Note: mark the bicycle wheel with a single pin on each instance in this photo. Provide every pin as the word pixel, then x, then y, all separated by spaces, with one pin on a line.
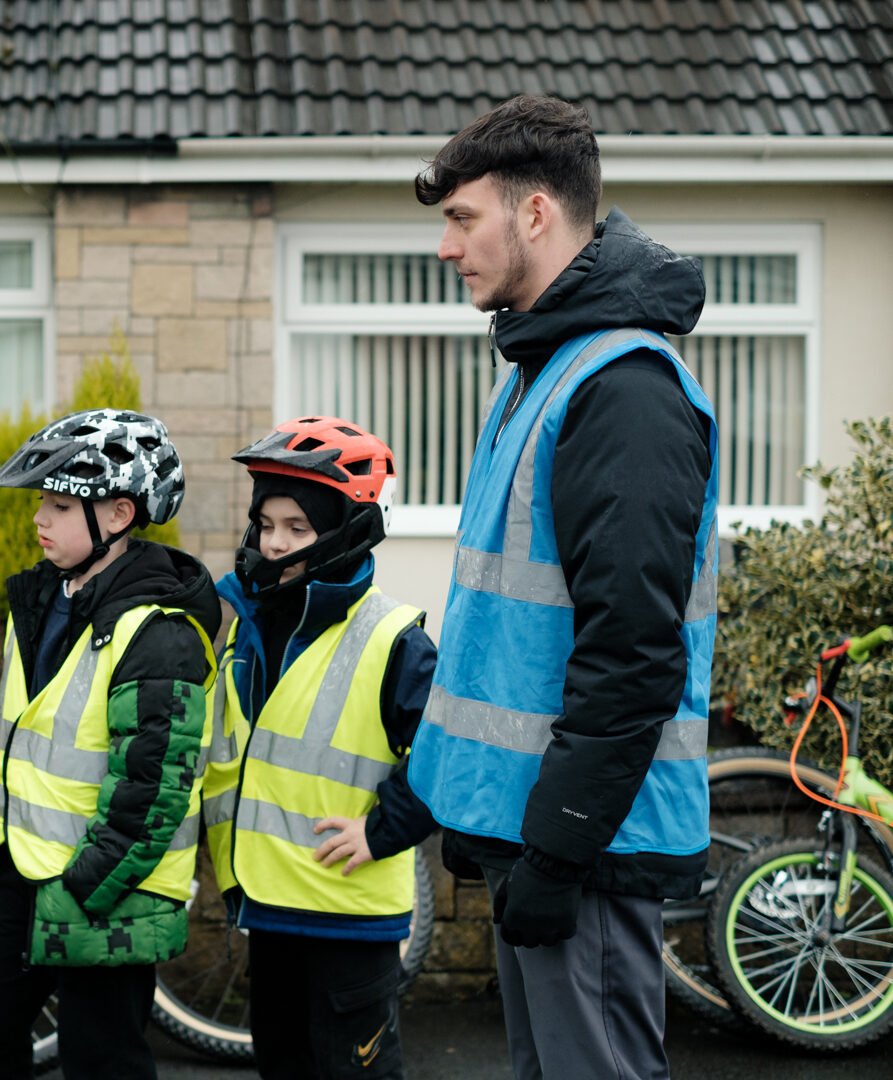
pixel 414 948
pixel 201 997
pixel 781 966
pixel 752 800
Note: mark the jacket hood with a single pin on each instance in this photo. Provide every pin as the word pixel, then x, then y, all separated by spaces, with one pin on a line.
pixel 621 278
pixel 325 602
pixel 146 573
pixel 151 573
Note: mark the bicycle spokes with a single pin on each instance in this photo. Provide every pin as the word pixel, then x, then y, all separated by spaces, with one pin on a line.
pixel 781 960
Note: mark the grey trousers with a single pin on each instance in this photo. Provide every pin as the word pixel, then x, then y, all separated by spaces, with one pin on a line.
pixel 592 1007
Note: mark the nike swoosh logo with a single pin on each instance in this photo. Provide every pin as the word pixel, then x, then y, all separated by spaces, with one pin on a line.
pixel 373 1046
pixel 365 1055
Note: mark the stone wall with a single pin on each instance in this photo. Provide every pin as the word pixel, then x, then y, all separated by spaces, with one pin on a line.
pixel 461 961
pixel 187 275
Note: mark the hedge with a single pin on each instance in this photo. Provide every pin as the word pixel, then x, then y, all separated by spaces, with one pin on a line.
pixel 793 590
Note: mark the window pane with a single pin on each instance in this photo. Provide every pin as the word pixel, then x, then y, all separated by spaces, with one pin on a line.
pixel 758 389
pixel 15 264
pixel 21 365
pixel 380 279
pixel 750 279
pixel 423 395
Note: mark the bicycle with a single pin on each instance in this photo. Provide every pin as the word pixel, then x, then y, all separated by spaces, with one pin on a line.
pixel 800 932
pixel 752 802
pixel 201 996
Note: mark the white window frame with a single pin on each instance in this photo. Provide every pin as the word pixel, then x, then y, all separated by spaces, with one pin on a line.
pixel 801 318
pixel 292 243
pixel 34 303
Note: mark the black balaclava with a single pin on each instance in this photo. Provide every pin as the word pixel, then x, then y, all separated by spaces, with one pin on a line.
pixel 323 505
pixel 283 608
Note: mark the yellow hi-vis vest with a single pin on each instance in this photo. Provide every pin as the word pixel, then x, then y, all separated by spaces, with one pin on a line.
pixel 57 749
pixel 318 748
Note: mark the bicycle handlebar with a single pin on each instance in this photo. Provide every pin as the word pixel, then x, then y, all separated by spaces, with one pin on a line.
pixel 860 647
pixel 856 649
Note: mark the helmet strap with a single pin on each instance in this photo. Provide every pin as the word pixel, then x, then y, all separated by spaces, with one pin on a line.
pixel 360 530
pixel 101 547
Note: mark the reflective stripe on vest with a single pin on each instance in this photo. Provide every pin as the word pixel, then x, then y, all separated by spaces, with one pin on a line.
pixel 228 740
pixel 513 560
pixel 530 733
pixel 14 672
pixel 318 749
pixel 58 751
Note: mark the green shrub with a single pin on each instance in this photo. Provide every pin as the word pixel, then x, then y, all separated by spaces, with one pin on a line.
pixel 109 380
pixel 18 536
pixel 793 591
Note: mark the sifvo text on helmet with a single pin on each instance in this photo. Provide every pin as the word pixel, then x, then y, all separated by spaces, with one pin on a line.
pixel 83 491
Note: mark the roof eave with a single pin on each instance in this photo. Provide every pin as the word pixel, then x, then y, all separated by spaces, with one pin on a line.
pixel 382 159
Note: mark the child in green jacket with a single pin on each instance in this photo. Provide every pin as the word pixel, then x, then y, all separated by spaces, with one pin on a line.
pixel 107 661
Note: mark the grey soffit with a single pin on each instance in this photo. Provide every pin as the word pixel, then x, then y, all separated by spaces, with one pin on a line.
pixel 100 72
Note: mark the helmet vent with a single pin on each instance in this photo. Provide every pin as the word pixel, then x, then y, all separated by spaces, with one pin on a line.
pixel 166 467
pixel 83 429
pixel 149 442
pixel 359 468
pixel 34 459
pixel 117 453
pixel 352 432
pixel 308 444
pixel 85 470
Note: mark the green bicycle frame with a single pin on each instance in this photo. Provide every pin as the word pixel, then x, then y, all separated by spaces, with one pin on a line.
pixel 861 791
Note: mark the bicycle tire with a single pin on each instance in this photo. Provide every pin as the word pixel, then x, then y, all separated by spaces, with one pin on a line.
pixel 752 800
pixel 201 997
pixel 778 963
pixel 414 948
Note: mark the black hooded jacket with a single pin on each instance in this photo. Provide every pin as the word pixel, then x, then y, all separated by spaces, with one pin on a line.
pixel 162 653
pixel 631 466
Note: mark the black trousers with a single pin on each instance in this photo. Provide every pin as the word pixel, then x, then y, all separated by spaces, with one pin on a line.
pixel 323 1009
pixel 102 1011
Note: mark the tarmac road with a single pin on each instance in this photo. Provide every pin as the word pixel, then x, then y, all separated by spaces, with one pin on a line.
pixel 465 1041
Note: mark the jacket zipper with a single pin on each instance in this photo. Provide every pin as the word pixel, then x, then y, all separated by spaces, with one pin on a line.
pixel 516 399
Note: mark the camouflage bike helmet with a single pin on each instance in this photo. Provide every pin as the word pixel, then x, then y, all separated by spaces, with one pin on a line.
pixel 98 454
pixel 344 458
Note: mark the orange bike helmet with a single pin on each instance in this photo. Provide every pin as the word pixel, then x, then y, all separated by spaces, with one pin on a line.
pixel 341 456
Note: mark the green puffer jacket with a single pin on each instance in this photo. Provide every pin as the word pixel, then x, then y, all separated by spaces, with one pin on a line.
pixel 95 913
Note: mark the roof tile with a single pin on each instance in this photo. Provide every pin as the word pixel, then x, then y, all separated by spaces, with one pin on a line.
pixel 148 69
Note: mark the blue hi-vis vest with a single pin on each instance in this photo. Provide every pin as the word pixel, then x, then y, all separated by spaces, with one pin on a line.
pixel 508 629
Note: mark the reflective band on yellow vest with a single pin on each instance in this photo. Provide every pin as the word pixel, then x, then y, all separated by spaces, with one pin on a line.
pixel 58 756
pixel 318 749
pixel 228 739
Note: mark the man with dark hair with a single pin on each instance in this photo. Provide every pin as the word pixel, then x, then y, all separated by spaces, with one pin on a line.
pixel 564 158
pixel 563 744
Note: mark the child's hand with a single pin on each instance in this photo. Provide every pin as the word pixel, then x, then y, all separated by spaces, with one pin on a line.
pixel 349 842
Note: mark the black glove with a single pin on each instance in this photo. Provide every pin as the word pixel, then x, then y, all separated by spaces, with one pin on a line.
pixel 533 908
